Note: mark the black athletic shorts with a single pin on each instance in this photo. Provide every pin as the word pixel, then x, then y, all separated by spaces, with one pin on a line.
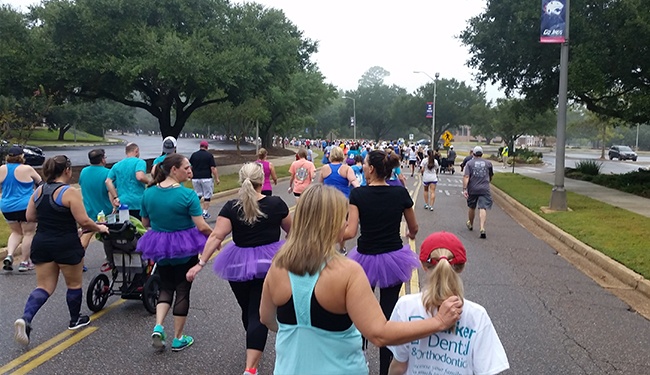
pixel 15 216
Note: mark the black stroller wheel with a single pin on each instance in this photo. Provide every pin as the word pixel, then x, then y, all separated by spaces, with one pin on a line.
pixel 150 293
pixel 98 292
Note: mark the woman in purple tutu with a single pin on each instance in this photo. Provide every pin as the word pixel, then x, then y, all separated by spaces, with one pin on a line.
pixel 378 209
pixel 255 221
pixel 178 234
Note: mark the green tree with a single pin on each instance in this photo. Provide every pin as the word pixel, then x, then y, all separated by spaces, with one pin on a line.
pixel 167 57
pixel 609 70
pixel 513 118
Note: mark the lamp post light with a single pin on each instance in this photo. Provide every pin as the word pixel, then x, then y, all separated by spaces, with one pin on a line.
pixel 354 115
pixel 433 109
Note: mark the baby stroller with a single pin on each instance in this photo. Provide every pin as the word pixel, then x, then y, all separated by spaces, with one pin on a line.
pixel 446 166
pixel 131 276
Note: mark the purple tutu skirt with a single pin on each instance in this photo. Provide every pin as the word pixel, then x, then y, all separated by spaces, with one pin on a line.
pixel 387 269
pixel 396 182
pixel 169 245
pixel 236 263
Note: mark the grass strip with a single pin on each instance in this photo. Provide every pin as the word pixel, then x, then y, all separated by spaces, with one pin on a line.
pixel 617 233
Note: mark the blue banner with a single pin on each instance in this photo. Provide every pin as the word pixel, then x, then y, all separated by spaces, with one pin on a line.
pixel 553 27
pixel 429 110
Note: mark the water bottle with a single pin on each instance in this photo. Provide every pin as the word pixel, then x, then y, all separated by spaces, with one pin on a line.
pixel 124 213
pixel 101 217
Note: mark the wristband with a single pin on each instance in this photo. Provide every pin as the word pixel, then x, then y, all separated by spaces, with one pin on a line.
pixel 201 263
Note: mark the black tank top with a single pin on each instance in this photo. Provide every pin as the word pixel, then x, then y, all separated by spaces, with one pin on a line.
pixel 320 317
pixel 56 225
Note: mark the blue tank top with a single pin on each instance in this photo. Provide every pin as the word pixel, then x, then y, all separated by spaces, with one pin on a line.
pixel 15 194
pixel 305 349
pixel 336 180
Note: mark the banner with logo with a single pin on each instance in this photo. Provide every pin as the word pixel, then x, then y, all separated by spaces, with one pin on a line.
pixel 429 110
pixel 553 27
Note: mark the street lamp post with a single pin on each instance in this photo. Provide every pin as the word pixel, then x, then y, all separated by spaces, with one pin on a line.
pixel 433 109
pixel 354 115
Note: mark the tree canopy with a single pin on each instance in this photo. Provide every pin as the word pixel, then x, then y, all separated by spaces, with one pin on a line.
pixel 609 69
pixel 167 57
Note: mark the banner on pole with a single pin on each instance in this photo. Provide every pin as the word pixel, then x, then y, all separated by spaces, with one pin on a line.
pixel 429 110
pixel 351 121
pixel 553 26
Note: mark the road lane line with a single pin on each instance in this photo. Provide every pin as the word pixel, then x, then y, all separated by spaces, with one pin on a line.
pixel 55 350
pixel 61 336
pixel 34 352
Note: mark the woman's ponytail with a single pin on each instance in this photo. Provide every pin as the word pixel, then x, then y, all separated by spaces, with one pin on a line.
pixel 251 176
pixel 443 281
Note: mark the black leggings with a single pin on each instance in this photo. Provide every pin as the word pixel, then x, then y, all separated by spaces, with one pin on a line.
pixel 387 300
pixel 249 295
pixel 172 280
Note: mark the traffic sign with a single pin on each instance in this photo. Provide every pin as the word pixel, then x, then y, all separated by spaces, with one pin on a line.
pixel 410 137
pixel 447 136
pixel 447 144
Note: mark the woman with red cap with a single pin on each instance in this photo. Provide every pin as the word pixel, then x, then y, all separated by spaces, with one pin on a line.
pixel 473 346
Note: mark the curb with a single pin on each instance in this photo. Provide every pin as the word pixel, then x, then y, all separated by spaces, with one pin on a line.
pixel 625 275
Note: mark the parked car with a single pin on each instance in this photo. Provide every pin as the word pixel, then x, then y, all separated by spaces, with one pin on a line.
pixel 33 155
pixel 622 153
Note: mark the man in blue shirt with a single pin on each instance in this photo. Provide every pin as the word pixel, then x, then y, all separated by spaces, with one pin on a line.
pixel 92 182
pixel 127 180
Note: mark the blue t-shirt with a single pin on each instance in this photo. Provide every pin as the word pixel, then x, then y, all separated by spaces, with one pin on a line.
pixel 170 209
pixel 358 172
pixel 159 159
pixel 15 194
pixel 92 181
pixel 129 189
pixel 395 173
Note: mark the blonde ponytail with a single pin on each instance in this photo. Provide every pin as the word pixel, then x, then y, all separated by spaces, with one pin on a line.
pixel 251 176
pixel 443 281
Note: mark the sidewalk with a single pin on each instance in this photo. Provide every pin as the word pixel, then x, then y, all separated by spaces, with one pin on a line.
pixel 626 201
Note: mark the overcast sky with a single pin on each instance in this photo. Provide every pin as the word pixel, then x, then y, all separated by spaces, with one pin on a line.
pixel 401 37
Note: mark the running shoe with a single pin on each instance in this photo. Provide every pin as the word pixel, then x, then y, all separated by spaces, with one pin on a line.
pixel 158 337
pixel 250 371
pixel 25 266
pixel 182 343
pixel 426 206
pixel 85 269
pixel 430 208
pixel 82 321
pixel 469 225
pixel 206 215
pixel 343 251
pixel 8 263
pixel 22 330
pixel 483 234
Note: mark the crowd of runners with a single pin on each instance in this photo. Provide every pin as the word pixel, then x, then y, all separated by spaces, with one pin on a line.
pixel 288 273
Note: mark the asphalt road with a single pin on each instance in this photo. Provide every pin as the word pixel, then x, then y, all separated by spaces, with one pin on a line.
pixel 150 147
pixel 551 318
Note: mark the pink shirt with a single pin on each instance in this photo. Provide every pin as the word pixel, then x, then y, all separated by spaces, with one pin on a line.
pixel 303 172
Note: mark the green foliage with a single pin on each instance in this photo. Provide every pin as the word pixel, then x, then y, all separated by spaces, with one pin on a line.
pixel 637 182
pixel 618 233
pixel 526 153
pixel 167 57
pixel 606 77
pixel 589 167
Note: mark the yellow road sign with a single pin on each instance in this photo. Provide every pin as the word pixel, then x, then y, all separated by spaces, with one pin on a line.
pixel 447 144
pixel 447 136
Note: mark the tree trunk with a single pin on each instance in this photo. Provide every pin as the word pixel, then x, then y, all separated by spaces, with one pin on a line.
pixel 62 130
pixel 602 143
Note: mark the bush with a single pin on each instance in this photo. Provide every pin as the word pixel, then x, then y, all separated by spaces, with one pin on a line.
pixel 589 167
pixel 525 153
pixel 637 182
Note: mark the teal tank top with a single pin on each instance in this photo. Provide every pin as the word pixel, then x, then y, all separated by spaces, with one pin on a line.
pixel 303 349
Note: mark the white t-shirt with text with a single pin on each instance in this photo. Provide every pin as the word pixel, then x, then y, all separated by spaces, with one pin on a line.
pixel 472 346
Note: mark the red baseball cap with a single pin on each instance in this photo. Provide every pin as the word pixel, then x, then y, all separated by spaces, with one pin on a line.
pixel 203 144
pixel 443 240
